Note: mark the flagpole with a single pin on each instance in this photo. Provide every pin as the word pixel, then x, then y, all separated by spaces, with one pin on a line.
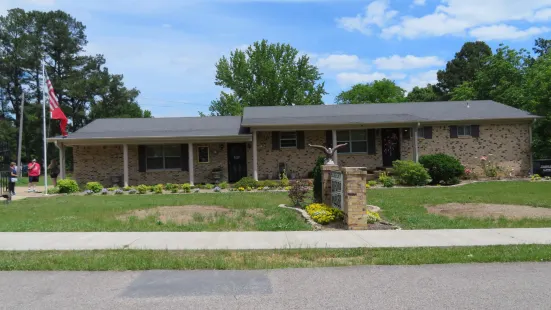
pixel 45 95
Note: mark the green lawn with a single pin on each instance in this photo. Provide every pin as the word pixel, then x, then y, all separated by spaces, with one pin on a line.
pixel 219 260
pixel 405 206
pixel 99 213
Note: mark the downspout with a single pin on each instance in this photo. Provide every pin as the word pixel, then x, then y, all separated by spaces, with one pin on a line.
pixel 415 142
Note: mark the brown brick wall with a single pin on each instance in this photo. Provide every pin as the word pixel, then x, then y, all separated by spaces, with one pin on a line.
pixel 508 144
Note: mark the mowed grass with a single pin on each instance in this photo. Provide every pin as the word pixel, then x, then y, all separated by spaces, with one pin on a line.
pixel 99 213
pixel 405 206
pixel 236 260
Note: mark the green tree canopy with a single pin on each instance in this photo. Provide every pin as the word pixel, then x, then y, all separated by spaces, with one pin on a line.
pixel 464 66
pixel 380 91
pixel 423 94
pixel 266 75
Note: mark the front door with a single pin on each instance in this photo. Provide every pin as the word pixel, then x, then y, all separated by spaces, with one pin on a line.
pixel 237 161
pixel 391 145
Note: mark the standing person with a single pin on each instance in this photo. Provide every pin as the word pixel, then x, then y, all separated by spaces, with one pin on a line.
pixel 34 175
pixel 53 168
pixel 13 178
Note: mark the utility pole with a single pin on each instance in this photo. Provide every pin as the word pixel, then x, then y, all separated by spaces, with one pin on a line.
pixel 19 164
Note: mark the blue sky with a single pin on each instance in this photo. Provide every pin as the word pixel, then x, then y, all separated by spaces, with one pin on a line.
pixel 168 48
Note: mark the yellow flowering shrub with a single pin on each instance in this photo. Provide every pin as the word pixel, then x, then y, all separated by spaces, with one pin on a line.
pixel 372 217
pixel 241 189
pixel 367 186
pixel 323 214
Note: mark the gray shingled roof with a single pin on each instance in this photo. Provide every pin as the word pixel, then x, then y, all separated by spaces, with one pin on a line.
pixel 219 126
pixel 381 113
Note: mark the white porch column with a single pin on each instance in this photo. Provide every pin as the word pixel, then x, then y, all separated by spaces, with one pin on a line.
pixel 190 163
pixel 255 157
pixel 531 150
pixel 62 161
pixel 125 164
pixel 335 156
pixel 416 144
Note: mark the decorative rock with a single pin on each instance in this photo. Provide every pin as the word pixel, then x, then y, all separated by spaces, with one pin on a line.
pixel 373 208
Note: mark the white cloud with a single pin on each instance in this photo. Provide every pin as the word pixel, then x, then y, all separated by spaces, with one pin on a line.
pixel 166 26
pixel 396 62
pixel 505 32
pixel 345 79
pixel 419 2
pixel 341 62
pixel 376 13
pixel 419 79
pixel 457 17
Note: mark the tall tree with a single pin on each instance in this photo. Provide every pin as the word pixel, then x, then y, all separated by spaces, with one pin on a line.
pixel 463 68
pixel 381 91
pixel 542 46
pixel 423 94
pixel 266 75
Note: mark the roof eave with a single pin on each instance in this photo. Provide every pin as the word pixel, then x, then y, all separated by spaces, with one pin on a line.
pixel 153 140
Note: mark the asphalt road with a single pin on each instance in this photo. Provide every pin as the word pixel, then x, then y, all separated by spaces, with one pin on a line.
pixel 475 286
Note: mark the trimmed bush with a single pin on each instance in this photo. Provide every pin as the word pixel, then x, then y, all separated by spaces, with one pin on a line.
pixel 284 179
pixel 442 168
pixel 142 189
pixel 317 174
pixel 209 186
pixel 372 183
pixel 223 185
pixel 95 187
pixel 170 187
pixel 67 186
pixel 324 214
pixel 158 189
pixel 246 182
pixel 386 180
pixel 186 187
pixel 410 173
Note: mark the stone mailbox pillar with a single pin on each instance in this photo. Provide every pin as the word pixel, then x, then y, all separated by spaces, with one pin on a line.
pixel 326 182
pixel 354 197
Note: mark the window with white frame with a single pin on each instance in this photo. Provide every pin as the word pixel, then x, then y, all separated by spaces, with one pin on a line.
pixel 464 131
pixel 288 139
pixel 167 156
pixel 356 139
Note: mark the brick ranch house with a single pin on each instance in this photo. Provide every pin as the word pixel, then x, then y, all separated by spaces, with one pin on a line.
pixel 266 140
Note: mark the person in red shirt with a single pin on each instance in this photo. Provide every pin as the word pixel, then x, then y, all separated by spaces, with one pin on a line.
pixel 34 175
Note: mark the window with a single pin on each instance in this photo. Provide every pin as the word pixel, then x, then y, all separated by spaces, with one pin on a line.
pixel 464 131
pixel 203 154
pixel 288 139
pixel 356 139
pixel 421 132
pixel 164 157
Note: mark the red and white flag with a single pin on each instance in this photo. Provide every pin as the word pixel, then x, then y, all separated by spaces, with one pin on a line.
pixel 55 109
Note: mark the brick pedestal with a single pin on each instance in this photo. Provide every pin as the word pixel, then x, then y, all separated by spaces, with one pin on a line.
pixel 355 195
pixel 326 182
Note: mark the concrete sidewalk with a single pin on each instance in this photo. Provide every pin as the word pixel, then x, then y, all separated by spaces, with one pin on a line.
pixel 271 240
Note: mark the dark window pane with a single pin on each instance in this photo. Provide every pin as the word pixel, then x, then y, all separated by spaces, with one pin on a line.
pixel 358 135
pixel 359 147
pixel 172 150
pixel 467 130
pixel 155 163
pixel 344 149
pixel 343 135
pixel 172 162
pixel 460 130
pixel 154 151
pixel 421 132
pixel 288 143
pixel 288 135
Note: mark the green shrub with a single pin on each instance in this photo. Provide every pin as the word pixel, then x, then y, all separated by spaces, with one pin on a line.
pixel 170 186
pixel 95 187
pixel 442 168
pixel 284 179
pixel 209 186
pixel 246 182
pixel 223 185
pixel 142 189
pixel 386 180
pixel 324 214
pixel 158 189
pixel 372 183
pixel 174 190
pixel 271 184
pixel 127 188
pixel 112 189
pixel 410 173
pixel 372 217
pixel 297 193
pixel 317 174
pixel 67 186
pixel 186 187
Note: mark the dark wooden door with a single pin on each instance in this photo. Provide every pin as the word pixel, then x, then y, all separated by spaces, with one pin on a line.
pixel 237 161
pixel 391 145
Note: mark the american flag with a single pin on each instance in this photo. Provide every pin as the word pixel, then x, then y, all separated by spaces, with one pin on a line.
pixel 55 109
